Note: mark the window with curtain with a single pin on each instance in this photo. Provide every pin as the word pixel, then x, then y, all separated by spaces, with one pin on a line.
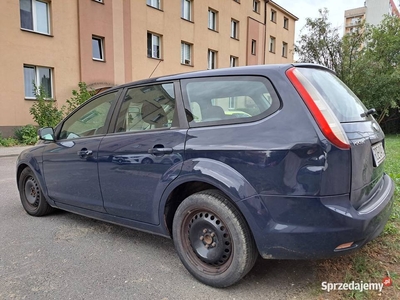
pixel 35 16
pixel 39 76
pixel 186 53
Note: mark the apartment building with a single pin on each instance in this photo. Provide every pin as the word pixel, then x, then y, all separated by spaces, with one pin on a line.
pixel 353 19
pixel 57 44
pixel 372 12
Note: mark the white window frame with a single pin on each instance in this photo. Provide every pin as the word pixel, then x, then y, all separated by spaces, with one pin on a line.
pixel 253 47
pixel 34 18
pixel 101 39
pixel 284 49
pixel 256 6
pixel 99 1
pixel 234 29
pixel 272 44
pixel 233 61
pixel 212 59
pixel 186 10
pixel 37 80
pixel 212 19
pixel 154 3
pixel 154 37
pixel 286 23
pixel 186 54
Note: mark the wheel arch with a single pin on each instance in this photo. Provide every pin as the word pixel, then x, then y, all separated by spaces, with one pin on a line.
pixel 199 175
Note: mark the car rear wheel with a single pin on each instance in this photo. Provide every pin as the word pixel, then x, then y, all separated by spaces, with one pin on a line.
pixel 31 195
pixel 212 239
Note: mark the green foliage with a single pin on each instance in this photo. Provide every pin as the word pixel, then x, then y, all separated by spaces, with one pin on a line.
pixel 44 111
pixel 320 43
pixel 367 60
pixel 7 142
pixel 27 135
pixel 78 97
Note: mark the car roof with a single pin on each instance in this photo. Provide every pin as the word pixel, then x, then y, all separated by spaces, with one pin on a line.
pixel 218 72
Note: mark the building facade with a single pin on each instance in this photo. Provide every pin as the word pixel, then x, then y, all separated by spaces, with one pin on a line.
pixel 353 18
pixel 57 44
pixel 372 12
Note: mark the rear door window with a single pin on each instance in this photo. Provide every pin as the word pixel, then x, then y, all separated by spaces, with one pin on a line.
pixel 227 100
pixel 343 102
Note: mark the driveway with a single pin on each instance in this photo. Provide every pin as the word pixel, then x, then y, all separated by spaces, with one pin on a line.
pixel 66 256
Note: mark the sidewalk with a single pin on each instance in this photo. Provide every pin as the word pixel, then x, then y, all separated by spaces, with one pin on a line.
pixel 12 151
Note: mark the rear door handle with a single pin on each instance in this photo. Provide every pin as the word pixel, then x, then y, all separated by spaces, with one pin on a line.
pixel 159 151
pixel 83 153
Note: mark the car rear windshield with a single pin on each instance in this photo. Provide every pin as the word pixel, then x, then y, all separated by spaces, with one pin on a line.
pixel 343 102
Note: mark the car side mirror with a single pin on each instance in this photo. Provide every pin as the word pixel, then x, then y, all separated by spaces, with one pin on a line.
pixel 46 134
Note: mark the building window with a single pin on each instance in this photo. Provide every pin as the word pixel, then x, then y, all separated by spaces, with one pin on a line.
pixel 284 49
pixel 153 45
pixel 234 61
pixel 273 15
pixel 100 1
pixel 272 44
pixel 154 3
pixel 234 29
pixel 98 48
pixel 212 59
pixel 186 54
pixel 237 1
pixel 256 6
pixel 285 23
pixel 187 10
pixel 212 19
pixel 39 77
pixel 253 47
pixel 35 15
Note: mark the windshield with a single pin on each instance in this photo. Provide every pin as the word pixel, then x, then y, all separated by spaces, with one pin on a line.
pixel 343 102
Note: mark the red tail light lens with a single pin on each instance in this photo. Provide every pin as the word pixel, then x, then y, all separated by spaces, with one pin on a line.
pixel 320 110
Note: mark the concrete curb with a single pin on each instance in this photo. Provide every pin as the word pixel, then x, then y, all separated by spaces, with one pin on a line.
pixel 12 151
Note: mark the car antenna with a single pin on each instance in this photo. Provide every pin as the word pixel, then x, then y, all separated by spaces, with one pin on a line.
pixel 155 69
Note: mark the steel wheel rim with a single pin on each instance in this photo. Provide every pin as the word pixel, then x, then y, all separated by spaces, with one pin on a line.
pixel 32 192
pixel 207 241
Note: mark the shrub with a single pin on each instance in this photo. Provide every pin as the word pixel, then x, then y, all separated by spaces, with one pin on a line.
pixel 7 142
pixel 44 111
pixel 78 97
pixel 27 135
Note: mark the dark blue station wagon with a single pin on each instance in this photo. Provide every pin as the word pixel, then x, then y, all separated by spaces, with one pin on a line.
pixel 282 161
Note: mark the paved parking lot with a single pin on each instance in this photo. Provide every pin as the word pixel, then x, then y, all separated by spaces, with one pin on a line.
pixel 66 256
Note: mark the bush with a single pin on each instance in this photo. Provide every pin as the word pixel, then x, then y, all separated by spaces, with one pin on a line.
pixel 78 97
pixel 7 142
pixel 27 135
pixel 44 111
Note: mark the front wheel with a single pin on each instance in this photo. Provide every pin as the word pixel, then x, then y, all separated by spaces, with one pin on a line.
pixel 31 195
pixel 212 239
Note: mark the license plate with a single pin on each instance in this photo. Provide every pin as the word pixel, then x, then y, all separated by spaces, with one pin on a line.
pixel 379 153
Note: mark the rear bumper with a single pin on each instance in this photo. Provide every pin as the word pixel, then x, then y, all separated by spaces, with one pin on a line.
pixel 311 228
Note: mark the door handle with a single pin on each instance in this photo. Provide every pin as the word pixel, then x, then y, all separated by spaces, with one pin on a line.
pixel 83 153
pixel 160 151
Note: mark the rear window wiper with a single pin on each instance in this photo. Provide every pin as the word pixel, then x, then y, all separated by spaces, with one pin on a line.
pixel 371 111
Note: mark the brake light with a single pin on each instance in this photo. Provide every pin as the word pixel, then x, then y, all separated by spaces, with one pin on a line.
pixel 320 110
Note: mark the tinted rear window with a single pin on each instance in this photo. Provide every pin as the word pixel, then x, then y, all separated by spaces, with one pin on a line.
pixel 343 102
pixel 227 100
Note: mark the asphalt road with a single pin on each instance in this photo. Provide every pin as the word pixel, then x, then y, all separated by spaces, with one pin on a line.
pixel 66 256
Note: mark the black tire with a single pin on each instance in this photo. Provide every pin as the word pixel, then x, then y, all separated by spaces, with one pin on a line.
pixel 31 195
pixel 212 239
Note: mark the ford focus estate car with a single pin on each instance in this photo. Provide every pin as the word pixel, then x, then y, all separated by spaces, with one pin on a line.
pixel 298 175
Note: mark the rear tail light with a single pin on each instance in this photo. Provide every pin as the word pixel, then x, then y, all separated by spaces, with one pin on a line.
pixel 322 113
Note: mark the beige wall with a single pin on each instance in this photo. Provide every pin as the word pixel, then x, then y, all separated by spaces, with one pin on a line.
pixel 19 47
pixel 281 34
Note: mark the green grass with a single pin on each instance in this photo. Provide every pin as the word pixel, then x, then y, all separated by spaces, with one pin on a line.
pixel 379 258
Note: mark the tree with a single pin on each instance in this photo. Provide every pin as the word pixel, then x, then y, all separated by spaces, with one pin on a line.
pixel 320 43
pixel 380 69
pixel 78 97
